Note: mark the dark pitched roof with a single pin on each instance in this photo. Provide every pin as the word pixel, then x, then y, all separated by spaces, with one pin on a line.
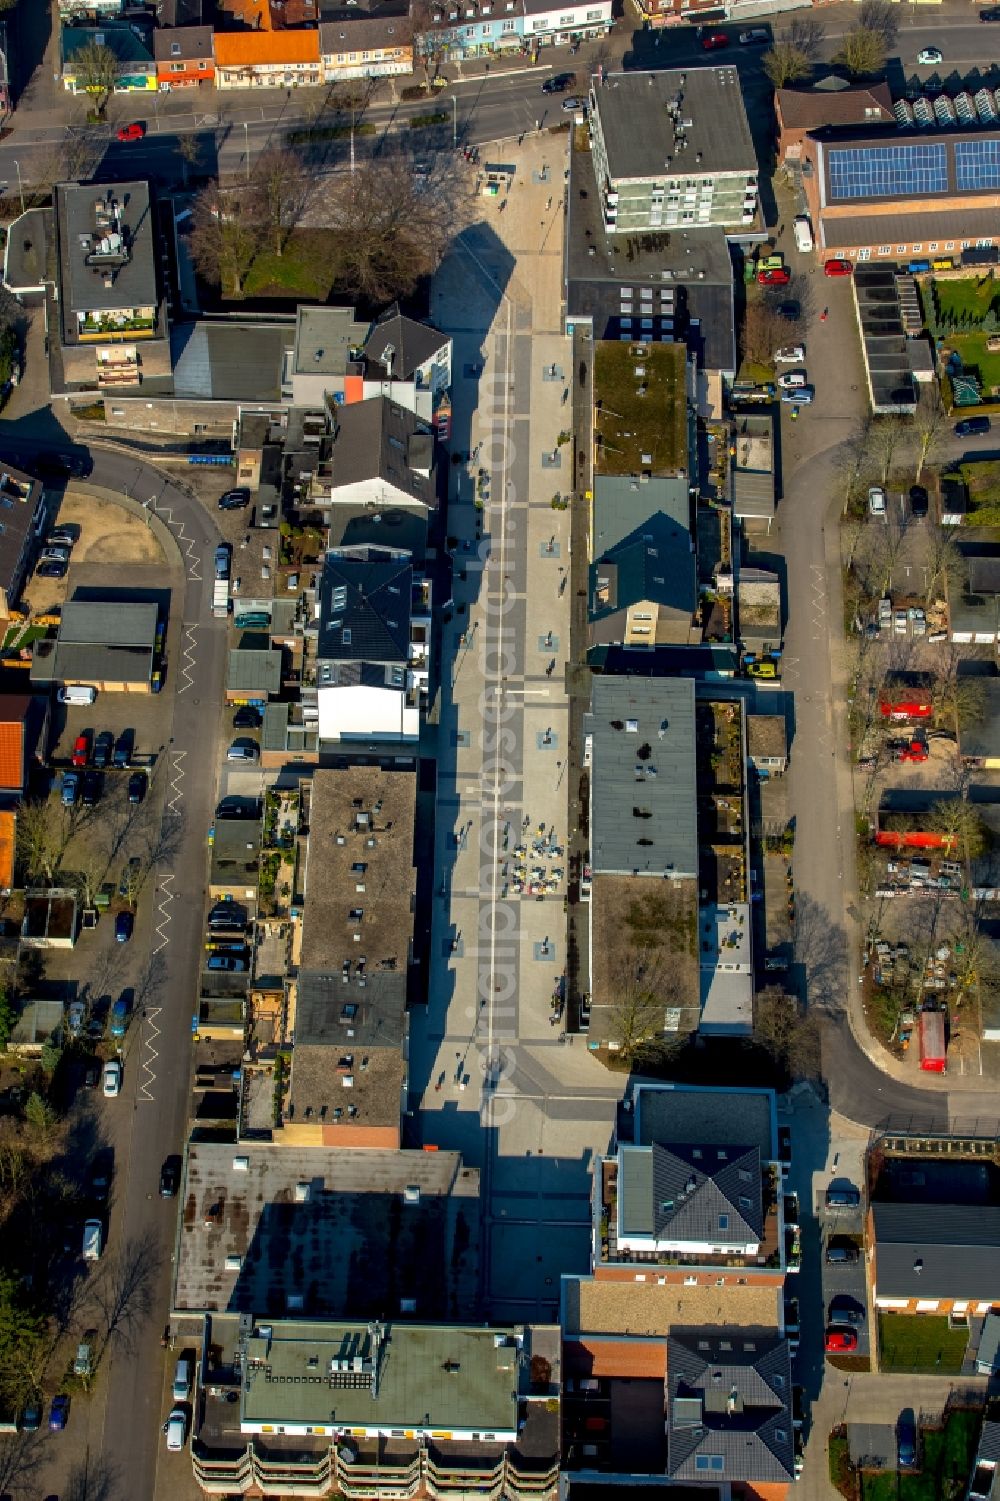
pixel 192 42
pixel 20 502
pixel 728 1410
pixel 807 109
pixel 411 345
pixel 937 1251
pixel 707 1194
pixel 377 439
pixel 365 607
pixel 655 562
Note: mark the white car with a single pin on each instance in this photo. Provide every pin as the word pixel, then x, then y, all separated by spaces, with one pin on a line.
pixel 901 623
pixel 793 380
pixel 930 57
pixel 876 501
pixel 789 354
pixel 176 1429
pixel 112 1079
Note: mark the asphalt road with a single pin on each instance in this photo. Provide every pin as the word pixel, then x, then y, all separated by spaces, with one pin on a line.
pixel 157 1068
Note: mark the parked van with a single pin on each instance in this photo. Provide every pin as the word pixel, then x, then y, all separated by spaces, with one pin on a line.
pixel 182 1381
pixel 77 693
pixel 93 1240
pixel 119 1018
pixel 802 231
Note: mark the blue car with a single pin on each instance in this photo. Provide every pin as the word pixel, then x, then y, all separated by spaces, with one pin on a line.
pixel 59 1412
pixel 124 923
pixel 70 789
pixel 119 1011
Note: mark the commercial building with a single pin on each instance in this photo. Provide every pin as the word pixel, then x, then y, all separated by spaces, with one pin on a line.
pixel 371 1409
pixel 358 968
pixel 801 110
pixel 184 57
pixel 136 66
pixel 373 646
pixel 276 59
pixel 109 644
pixel 22 521
pixel 372 44
pixel 754 499
pixel 644 591
pixel 397 357
pixel 899 195
pixel 394 1231
pixel 112 316
pixel 672 150
pixel 547 25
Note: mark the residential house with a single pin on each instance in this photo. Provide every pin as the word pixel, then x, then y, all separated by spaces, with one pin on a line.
pixel 382 456
pixel 397 357
pixel 547 25
pixel 235 859
pixel 22 521
pixel 376 44
pixel 932 1257
pixel 112 314
pixel 136 71
pixel 672 150
pixel 758 612
pixel 373 646
pixel 184 57
pixel 643 591
pixel 410 1217
pixel 24 729
pixel 253 674
pixel 485 1419
pixel 729 1407
pixel 266 15
pixel 358 969
pixel 885 196
pixel 278 59
pixel 753 472
pixel 801 110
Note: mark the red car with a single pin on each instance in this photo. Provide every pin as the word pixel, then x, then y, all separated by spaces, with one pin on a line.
pixel 81 750
pixel 837 267
pixel 133 132
pixel 839 1340
pixel 712 40
pixel 776 276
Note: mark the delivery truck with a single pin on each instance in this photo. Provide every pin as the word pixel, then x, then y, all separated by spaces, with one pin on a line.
pixel 802 231
pixel 932 1041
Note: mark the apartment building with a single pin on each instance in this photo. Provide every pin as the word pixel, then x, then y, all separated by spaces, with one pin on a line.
pixel 672 150
pixel 185 57
pixel 376 44
pixel 276 59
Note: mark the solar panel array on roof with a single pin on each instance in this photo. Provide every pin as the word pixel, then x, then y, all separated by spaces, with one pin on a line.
pixel 888 171
pixel 977 165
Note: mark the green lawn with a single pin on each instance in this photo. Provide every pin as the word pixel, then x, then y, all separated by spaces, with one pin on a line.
pixel 974 294
pixel 975 357
pixel 982 481
pixel 305 269
pixel 922 1342
pixel 946 1457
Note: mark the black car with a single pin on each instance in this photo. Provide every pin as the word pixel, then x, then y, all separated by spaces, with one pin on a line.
pixel 90 790
pixel 906 1439
pixel 51 571
pixel 239 807
pixel 846 1311
pixel 789 310
pixel 91 1074
pixel 103 746
pixel 919 500
pixel 559 83
pixel 234 500
pixel 170 1177
pixel 843 1196
pixel 247 719
pixel 61 466
pixel 992 13
pixel 972 427
pixel 99 1179
pixel 137 787
pixel 123 748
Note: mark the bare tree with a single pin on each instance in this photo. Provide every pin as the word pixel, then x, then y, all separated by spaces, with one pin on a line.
pixel 44 831
pixel 791 1035
pixel 223 239
pixel 853 461
pixel 189 150
pixel 881 17
pixel 638 1007
pixel 96 70
pixel 764 330
pixel 930 422
pixel 958 698
pixel 806 32
pixel 785 63
pixel 884 438
pixel 280 190
pixel 863 53
pixel 960 822
pixel 123 1291
pixel 943 561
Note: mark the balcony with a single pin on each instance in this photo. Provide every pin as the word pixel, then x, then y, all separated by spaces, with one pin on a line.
pixel 111 327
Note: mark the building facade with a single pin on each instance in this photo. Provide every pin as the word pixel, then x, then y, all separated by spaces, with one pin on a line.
pixel 366 47
pixel 184 57
pixel 267 59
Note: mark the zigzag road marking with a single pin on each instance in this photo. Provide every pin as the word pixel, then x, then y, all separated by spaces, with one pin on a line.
pixel 187 666
pixel 150 1053
pixel 166 514
pixel 163 908
pixel 176 775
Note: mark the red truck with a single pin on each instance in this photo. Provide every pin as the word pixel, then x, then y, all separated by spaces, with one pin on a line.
pixel 932 1041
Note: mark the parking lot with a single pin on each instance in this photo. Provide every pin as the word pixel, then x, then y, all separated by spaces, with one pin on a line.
pixel 108 534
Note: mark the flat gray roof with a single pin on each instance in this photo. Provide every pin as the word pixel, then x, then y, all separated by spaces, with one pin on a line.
pixel 634 117
pixel 89 212
pixel 430 1377
pixel 111 623
pixel 326 338
pixel 332 1227
pixel 622 502
pixel 229 361
pixel 253 671
pixel 643 781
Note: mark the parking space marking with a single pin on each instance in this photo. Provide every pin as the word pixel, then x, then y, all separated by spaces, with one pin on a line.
pixel 187 665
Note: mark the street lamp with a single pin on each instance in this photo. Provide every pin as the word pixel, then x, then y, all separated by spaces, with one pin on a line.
pixel 20 188
pixel 454 121
pixel 246 145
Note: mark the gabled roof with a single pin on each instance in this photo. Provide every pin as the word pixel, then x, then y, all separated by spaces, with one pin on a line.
pixel 365 604
pixel 396 346
pixel 235 49
pixel 656 562
pixel 937 1251
pixel 707 1194
pixel 728 1414
pixel 117 36
pixel 807 109
pixel 378 439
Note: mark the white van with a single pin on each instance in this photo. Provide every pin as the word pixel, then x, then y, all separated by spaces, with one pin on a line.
pixel 77 693
pixel 182 1381
pixel 93 1240
pixel 802 230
